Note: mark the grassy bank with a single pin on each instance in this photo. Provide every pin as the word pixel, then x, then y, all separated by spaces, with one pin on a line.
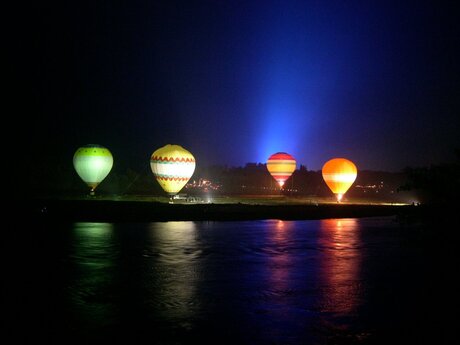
pixel 139 209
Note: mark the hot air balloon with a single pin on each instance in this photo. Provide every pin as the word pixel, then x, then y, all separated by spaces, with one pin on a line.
pixel 339 174
pixel 92 163
pixel 172 166
pixel 281 165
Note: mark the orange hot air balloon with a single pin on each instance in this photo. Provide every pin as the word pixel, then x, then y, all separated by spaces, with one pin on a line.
pixel 281 165
pixel 339 174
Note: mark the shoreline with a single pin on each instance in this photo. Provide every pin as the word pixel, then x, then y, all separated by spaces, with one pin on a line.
pixel 75 210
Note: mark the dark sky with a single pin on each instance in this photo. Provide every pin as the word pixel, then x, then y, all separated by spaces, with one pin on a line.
pixel 235 81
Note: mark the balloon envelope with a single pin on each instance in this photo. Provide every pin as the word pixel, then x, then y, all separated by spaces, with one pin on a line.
pixel 281 165
pixel 93 163
pixel 172 166
pixel 339 174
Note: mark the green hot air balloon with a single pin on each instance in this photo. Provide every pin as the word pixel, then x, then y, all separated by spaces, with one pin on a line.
pixel 92 163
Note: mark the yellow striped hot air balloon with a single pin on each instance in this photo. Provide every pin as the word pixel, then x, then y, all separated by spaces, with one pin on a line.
pixel 281 165
pixel 92 163
pixel 172 166
pixel 339 174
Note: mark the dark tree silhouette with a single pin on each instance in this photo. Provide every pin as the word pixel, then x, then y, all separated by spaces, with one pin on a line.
pixel 436 184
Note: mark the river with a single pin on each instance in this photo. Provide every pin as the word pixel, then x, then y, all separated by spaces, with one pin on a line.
pixel 332 281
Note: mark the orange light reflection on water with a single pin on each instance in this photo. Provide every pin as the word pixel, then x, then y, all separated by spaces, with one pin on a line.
pixel 340 265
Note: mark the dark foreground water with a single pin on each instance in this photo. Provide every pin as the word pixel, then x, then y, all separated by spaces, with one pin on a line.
pixel 336 281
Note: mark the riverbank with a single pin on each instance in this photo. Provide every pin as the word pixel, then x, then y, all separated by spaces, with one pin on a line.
pixel 146 211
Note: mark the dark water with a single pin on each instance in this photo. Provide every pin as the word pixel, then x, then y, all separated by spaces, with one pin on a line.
pixel 336 281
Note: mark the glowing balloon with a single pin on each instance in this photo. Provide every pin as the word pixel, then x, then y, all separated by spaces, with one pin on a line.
pixel 172 166
pixel 339 174
pixel 92 163
pixel 281 165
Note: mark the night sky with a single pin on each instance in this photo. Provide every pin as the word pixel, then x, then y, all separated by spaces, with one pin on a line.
pixel 235 81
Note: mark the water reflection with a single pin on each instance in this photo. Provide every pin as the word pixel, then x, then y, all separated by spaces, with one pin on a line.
pixel 92 268
pixel 257 282
pixel 173 263
pixel 340 265
pixel 280 257
pixel 279 304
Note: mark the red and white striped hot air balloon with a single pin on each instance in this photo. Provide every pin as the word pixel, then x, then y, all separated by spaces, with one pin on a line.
pixel 172 166
pixel 281 165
